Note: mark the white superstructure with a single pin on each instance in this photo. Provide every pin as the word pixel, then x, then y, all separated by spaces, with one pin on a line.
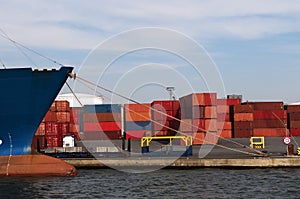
pixel 84 99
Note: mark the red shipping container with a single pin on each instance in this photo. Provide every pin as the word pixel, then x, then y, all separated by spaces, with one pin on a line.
pixel 75 114
pixel 293 108
pixel 270 132
pixel 50 117
pixel 63 117
pixel 63 106
pixel 64 127
pixel 162 116
pixel 229 102
pixel 243 125
pixel 295 132
pixel 244 108
pixel 294 116
pixel 266 105
pixel 102 126
pixel 167 105
pixel 295 124
pixel 52 129
pixel 269 114
pixel 54 141
pixel 243 117
pixel 243 133
pixel 275 123
pixel 198 112
pixel 41 129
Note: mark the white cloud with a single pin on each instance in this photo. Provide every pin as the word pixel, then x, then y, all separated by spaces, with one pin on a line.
pixel 77 24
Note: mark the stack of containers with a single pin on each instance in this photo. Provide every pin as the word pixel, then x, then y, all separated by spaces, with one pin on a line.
pixel 224 121
pixel 55 125
pixel 269 119
pixel 76 122
pixel 293 112
pixel 199 117
pixel 242 121
pixel 165 115
pixel 102 122
pixel 137 120
pixel 57 122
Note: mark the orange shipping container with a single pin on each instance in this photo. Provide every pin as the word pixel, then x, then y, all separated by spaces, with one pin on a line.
pixel 62 106
pixel 225 133
pixel 243 117
pixel 210 112
pixel 224 125
pixel 198 138
pixel 137 116
pixel 138 107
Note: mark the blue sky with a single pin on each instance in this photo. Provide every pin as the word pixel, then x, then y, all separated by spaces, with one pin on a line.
pixel 255 44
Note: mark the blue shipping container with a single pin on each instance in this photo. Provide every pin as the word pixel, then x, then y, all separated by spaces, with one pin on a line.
pixel 103 108
pixel 138 125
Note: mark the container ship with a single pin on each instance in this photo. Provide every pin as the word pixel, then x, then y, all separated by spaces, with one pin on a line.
pixel 26 96
pixel 209 120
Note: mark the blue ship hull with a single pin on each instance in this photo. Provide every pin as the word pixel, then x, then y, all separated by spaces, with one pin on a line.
pixel 26 96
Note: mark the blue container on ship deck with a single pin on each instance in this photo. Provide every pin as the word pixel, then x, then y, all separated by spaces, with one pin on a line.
pixel 138 125
pixel 103 108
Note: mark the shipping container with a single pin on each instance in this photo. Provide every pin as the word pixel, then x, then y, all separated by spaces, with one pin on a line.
pixel 102 108
pixel 137 134
pixel 200 99
pixel 270 123
pixel 243 117
pixel 166 105
pixel 292 108
pixel 138 125
pixel 245 108
pixel 62 106
pixel 102 117
pixel 269 114
pixel 266 105
pixel 102 135
pixel 270 132
pixel 138 107
pixel 102 126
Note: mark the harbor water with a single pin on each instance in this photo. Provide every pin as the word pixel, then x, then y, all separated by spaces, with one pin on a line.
pixel 165 183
